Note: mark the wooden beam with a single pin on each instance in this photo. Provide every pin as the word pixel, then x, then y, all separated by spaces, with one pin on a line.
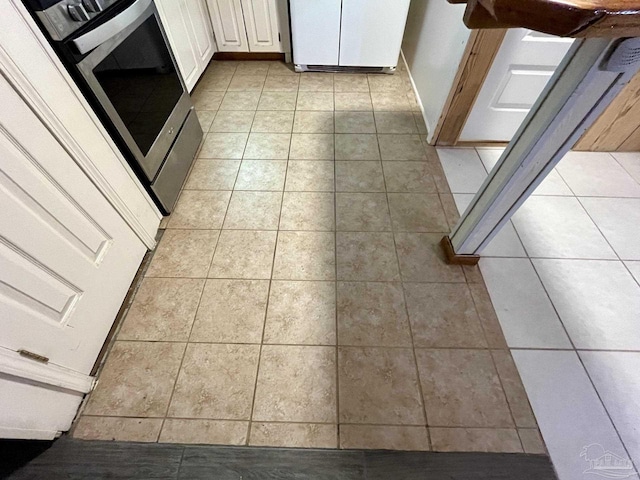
pixel 481 49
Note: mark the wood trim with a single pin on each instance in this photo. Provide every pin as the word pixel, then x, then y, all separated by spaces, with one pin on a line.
pixel 481 144
pixel 481 49
pixel 249 56
pixel 617 127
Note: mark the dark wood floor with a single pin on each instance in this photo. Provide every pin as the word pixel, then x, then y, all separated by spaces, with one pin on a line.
pixel 77 459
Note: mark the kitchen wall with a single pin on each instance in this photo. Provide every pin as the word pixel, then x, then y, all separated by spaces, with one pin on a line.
pixel 434 41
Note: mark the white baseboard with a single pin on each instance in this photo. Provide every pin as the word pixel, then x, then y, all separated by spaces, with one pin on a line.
pixel 415 91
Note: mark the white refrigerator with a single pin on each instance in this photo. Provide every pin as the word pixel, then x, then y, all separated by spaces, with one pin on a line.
pixel 347 33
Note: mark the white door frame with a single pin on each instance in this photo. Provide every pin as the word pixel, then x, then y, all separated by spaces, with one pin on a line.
pixel 582 87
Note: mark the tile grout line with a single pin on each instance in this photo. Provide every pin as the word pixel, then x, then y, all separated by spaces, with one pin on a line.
pixel 335 266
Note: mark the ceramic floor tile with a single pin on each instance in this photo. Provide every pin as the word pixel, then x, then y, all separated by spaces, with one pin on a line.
pixel 351 83
pixel 598 302
pixel 231 311
pixel 316 82
pixel 163 310
pixel 296 384
pixel 443 315
pixel 308 211
pixel 630 161
pixel 230 121
pixel 200 209
pixel 532 441
pixel 312 146
pixel 207 432
pixel 253 211
pixel 272 122
pixel 379 385
pixel 513 389
pixel 395 122
pixel 390 101
pixel 208 174
pixel 244 254
pixel 301 313
pixel 525 312
pixel 568 410
pixel 615 376
pixel 502 440
pixel 461 388
pixel 378 437
pixel 240 101
pixel 401 147
pixel 487 314
pixel 214 81
pixel 278 101
pixel 205 117
pixel 464 169
pixel 298 435
pixel 322 101
pixel 359 176
pixel 246 83
pixel 207 100
pixel 420 123
pixel 252 68
pixel 281 83
pixel 634 268
pixel 133 383
pixel 183 253
pixel 362 212
pixel 355 122
pixel 265 175
pixel 354 102
pixel 224 145
pixel 505 244
pixel 305 256
pixel 313 122
pixel 619 221
pixel 118 429
pixel 415 212
pixel 597 175
pixel 368 256
pixel 281 68
pixel 558 227
pixel 310 176
pixel 372 314
pixel 216 382
pixel 268 146
pixel 422 260
pixel 356 147
pixel 388 83
pixel 410 177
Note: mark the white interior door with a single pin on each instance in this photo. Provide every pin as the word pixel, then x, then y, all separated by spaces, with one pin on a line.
pixel 261 22
pixel 372 32
pixel 523 66
pixel 67 257
pixel 315 31
pixel 228 25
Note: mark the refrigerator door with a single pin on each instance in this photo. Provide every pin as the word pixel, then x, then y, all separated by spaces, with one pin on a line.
pixel 315 31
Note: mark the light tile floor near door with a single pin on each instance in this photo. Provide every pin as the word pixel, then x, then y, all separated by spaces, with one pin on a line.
pixel 570 305
pixel 298 296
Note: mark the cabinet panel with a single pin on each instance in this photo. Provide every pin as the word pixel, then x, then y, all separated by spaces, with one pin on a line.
pixel 202 31
pixel 261 22
pixel 372 32
pixel 315 30
pixel 228 25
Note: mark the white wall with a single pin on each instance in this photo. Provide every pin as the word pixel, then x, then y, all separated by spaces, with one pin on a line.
pixel 434 41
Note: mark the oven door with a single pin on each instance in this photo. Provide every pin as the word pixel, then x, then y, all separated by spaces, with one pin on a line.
pixel 131 71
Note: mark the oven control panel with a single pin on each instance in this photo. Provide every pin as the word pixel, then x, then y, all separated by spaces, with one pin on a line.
pixel 66 16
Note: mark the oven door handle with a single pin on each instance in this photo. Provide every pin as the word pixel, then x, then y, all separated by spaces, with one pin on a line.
pixel 90 40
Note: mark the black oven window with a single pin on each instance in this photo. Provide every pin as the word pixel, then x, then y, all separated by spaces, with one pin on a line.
pixel 141 82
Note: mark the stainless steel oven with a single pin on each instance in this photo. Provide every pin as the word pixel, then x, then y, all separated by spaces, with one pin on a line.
pixel 120 56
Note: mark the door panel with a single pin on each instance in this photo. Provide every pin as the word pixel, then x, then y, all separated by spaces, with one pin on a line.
pixel 315 31
pixel 228 25
pixel 522 68
pixel 202 31
pixel 372 32
pixel 66 257
pixel 261 21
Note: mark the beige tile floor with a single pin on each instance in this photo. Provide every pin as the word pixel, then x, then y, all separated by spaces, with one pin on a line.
pixel 298 296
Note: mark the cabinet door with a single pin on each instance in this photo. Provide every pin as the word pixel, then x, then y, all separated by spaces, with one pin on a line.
pixel 372 32
pixel 202 33
pixel 315 30
pixel 228 25
pixel 261 22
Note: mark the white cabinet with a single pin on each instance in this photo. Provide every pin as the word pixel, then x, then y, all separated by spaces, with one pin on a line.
pixel 188 27
pixel 350 33
pixel 246 25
